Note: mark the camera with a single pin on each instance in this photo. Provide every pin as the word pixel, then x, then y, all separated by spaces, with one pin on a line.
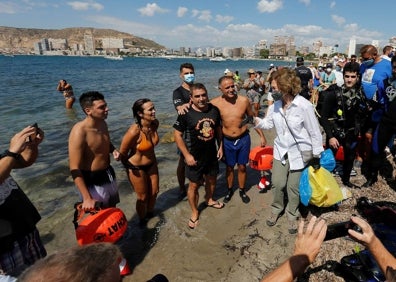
pixel 340 229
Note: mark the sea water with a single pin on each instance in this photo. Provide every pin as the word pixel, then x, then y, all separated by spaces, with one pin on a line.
pixel 28 95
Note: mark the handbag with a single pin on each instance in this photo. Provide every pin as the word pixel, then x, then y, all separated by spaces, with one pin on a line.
pixel 99 225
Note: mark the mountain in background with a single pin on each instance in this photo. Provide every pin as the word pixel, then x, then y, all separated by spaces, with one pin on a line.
pixel 24 38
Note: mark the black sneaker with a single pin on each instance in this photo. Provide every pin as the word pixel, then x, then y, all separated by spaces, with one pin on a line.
pixel 228 197
pixel 245 198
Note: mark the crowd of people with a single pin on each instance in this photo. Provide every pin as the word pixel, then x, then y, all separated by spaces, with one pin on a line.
pixel 356 114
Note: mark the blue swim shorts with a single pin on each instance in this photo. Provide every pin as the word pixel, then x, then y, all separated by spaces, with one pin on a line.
pixel 236 150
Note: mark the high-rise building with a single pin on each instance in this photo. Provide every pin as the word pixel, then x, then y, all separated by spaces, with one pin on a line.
pixel 352 47
pixel 89 43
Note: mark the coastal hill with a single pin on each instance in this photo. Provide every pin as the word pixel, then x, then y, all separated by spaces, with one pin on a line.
pixel 24 38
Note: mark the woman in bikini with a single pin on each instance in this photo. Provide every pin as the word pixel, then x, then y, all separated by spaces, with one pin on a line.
pixel 68 93
pixel 138 157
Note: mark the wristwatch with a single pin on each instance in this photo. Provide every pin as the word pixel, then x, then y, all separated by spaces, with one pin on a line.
pixel 7 153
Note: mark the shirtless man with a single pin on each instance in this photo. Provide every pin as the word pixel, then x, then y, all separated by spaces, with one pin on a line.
pixel 89 149
pixel 236 142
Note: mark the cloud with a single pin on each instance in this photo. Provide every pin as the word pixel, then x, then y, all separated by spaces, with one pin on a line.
pixel 204 15
pixel 332 4
pixel 130 27
pixel 338 19
pixel 181 11
pixel 269 6
pixel 306 2
pixel 83 6
pixel 8 8
pixel 151 9
pixel 224 19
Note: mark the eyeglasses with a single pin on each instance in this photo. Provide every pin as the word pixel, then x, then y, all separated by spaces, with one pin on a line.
pixel 350 76
pixel 230 86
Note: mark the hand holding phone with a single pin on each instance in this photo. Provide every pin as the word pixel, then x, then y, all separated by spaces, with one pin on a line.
pixel 34 135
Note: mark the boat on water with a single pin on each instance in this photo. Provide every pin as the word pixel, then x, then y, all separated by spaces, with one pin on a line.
pixel 217 59
pixel 118 58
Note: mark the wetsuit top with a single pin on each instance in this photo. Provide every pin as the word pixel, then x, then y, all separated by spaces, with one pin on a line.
pixel 145 144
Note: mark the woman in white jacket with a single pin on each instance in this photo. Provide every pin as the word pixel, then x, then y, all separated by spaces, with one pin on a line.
pixel 298 143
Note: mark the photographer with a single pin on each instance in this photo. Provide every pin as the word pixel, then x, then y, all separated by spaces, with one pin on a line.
pixel 343 116
pixel 308 243
pixel 385 260
pixel 20 243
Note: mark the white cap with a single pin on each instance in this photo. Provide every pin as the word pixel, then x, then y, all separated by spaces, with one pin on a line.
pixel 226 71
pixel 271 65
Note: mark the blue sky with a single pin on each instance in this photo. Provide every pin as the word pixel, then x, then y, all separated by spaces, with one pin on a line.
pixel 235 23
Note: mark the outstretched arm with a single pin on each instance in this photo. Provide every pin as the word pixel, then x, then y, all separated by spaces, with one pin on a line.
pixel 306 249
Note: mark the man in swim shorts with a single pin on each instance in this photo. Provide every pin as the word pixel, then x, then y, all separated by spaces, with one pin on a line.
pixel 234 109
pixel 89 154
pixel 200 153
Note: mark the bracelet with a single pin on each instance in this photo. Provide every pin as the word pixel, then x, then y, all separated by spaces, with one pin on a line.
pixel 11 154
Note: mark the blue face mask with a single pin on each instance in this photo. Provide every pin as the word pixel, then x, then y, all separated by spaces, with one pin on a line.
pixel 276 95
pixel 338 68
pixel 189 78
pixel 368 63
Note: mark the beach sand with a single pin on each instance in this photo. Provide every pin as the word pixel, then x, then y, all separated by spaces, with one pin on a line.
pixel 230 244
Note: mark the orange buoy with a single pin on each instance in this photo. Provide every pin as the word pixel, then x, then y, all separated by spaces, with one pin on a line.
pixel 261 158
pixel 105 225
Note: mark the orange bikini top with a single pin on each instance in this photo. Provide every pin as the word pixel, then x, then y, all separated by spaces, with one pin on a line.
pixel 145 144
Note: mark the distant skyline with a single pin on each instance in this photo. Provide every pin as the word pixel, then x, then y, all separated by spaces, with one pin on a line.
pixel 236 23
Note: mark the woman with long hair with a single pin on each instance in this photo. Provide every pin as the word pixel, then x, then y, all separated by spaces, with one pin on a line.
pixel 138 157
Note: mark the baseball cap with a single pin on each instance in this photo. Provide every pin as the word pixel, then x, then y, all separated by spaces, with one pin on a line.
pixel 251 71
pixel 300 60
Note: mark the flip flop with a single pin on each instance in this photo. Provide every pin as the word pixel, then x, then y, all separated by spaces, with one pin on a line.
pixel 192 223
pixel 216 205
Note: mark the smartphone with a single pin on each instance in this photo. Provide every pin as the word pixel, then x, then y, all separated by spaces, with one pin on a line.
pixel 34 135
pixel 340 229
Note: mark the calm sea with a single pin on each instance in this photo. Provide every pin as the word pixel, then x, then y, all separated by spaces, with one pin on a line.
pixel 28 95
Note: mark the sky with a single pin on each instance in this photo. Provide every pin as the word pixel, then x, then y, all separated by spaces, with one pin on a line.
pixel 214 23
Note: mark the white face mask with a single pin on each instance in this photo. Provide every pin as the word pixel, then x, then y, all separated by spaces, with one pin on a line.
pixel 328 69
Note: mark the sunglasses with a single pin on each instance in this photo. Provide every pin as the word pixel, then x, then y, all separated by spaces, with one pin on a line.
pixel 350 76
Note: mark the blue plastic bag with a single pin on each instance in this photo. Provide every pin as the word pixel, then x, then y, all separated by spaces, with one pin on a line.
pixel 305 188
pixel 327 160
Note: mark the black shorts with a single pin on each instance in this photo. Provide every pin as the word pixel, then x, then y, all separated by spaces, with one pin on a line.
pixel 196 173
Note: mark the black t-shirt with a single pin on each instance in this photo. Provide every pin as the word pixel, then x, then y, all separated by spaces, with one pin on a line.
pixel 180 96
pixel 202 127
pixel 305 75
